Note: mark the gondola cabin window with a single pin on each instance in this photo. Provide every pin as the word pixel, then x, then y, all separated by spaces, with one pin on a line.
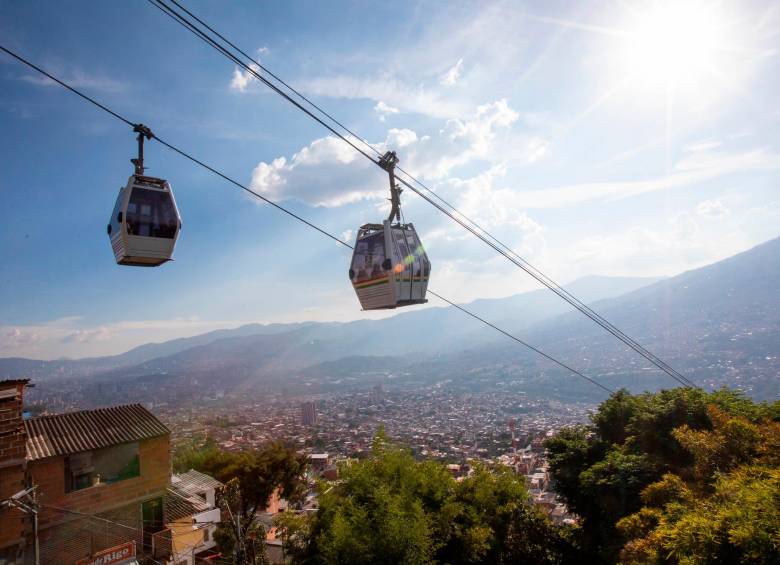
pixel 150 213
pixel 369 257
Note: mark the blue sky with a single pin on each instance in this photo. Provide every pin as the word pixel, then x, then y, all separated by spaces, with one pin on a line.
pixel 595 137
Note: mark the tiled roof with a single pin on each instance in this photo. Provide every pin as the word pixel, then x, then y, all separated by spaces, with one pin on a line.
pixel 195 482
pixel 63 434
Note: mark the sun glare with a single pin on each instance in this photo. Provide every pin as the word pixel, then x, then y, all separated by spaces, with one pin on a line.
pixel 676 46
pixel 671 41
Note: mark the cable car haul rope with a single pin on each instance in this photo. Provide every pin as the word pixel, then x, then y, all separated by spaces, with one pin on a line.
pixel 389 266
pixel 455 215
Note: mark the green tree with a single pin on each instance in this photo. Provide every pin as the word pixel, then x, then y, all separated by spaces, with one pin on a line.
pixel 203 455
pixel 651 457
pixel 489 519
pixel 251 479
pixel 729 509
pixel 390 508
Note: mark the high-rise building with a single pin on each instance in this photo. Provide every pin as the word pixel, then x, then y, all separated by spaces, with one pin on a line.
pixel 377 394
pixel 308 413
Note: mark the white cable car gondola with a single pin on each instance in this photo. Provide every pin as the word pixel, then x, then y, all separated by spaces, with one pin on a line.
pixel 145 222
pixel 389 265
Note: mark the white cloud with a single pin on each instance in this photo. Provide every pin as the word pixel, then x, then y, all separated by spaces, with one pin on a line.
pixel 78 79
pixel 71 337
pixel 694 168
pixel 480 200
pixel 330 173
pixel 494 38
pixel 452 75
pixel 242 79
pixel 393 91
pixel 384 110
pixel 703 146
pixel 400 138
pixel 679 245
pixel 325 173
pixel 17 337
pixel 88 336
pixel 714 209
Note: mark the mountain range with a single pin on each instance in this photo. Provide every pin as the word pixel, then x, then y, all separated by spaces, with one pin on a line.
pixel 718 325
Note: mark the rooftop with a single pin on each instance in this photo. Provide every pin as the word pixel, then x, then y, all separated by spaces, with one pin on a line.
pixel 181 506
pixel 85 430
pixel 195 482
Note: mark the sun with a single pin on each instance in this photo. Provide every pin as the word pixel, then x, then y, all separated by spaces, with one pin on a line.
pixel 685 49
pixel 673 41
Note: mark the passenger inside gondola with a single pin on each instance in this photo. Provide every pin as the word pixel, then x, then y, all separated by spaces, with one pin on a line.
pixel 150 213
pixel 368 258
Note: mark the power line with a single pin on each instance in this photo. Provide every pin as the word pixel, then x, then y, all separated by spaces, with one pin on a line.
pixel 268 72
pixel 644 353
pixel 498 246
pixel 558 289
pixel 65 85
pixel 144 545
pixel 520 341
pixel 204 37
pixel 285 210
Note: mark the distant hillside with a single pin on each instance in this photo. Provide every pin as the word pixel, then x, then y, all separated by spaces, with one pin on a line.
pixel 296 346
pixel 13 367
pixel 719 324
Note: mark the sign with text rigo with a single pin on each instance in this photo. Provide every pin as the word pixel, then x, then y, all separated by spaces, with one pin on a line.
pixel 111 556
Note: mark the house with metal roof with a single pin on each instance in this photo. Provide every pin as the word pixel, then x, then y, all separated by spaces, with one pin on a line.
pixel 193 516
pixel 97 478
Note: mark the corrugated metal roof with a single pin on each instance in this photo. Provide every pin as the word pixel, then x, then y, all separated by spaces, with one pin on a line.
pixel 195 482
pixel 63 434
pixel 181 505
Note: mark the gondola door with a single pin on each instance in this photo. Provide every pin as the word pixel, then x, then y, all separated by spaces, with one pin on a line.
pixel 417 264
pixel 402 266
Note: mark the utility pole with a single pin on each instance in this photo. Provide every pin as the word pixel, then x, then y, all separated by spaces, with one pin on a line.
pixel 27 501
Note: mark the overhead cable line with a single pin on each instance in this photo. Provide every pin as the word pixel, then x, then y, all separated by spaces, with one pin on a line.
pixel 144 544
pixel 474 228
pixel 285 210
pixel 528 345
pixel 194 29
pixel 560 290
pixel 276 77
pixel 643 352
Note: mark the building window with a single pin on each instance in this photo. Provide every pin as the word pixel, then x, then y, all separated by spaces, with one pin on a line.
pixel 102 466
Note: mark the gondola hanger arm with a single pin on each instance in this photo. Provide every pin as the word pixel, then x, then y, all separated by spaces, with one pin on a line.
pixel 143 133
pixel 388 161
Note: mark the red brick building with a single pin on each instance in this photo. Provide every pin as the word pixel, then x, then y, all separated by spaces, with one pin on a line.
pixel 100 479
pixel 12 461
